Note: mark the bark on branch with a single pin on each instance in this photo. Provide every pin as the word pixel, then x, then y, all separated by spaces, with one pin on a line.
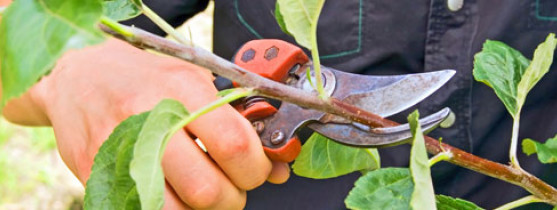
pixel 272 89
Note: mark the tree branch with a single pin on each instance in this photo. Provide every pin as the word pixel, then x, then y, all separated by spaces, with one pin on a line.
pixel 512 175
pixel 282 92
pixel 261 85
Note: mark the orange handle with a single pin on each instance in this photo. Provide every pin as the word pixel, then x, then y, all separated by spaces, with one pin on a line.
pixel 259 110
pixel 270 58
pixel 256 111
pixel 286 153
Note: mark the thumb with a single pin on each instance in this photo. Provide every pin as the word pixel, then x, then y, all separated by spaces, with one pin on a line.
pixel 280 173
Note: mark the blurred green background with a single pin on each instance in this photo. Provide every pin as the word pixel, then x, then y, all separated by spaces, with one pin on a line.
pixel 32 174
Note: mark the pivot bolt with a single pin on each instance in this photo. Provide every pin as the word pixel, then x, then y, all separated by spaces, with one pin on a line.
pixel 258 126
pixel 277 137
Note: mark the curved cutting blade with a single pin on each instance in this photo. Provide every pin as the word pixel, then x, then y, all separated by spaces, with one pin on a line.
pixel 362 136
pixel 386 95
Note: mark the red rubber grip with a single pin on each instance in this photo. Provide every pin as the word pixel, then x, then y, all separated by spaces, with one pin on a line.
pixel 259 110
pixel 256 111
pixel 270 58
pixel 286 153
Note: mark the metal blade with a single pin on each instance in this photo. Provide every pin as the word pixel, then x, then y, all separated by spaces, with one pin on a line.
pixel 363 136
pixel 386 95
pixel 382 95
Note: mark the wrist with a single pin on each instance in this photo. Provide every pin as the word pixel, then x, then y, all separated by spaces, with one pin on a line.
pixel 27 109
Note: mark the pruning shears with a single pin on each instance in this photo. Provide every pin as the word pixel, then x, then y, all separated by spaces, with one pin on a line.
pixel 383 95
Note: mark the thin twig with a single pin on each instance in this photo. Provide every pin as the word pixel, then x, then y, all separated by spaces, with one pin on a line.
pixel 167 28
pixel 520 202
pixel 443 156
pixel 514 141
pixel 286 93
pixel 315 52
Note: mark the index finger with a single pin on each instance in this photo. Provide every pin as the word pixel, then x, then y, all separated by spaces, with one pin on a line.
pixel 229 138
pixel 232 142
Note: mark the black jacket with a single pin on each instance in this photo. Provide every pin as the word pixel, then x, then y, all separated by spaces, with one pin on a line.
pixel 399 37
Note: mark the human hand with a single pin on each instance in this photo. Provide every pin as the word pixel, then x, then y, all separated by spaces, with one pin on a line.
pixel 90 91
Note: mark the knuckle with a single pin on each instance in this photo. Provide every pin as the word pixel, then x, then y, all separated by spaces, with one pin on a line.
pixel 203 195
pixel 201 73
pixel 234 144
pixel 237 146
pixel 194 72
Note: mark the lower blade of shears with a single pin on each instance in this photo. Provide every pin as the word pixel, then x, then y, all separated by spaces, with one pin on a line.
pixel 362 136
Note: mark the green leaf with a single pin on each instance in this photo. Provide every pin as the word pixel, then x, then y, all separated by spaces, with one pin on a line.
pixel 547 152
pixel 423 196
pixel 501 67
pixel 297 16
pixel 448 203
pixel 322 158
pixel 543 57
pixel 121 9
pixel 35 33
pixel 280 19
pixel 110 185
pixel 386 188
pixel 510 74
pixel 529 146
pixel 165 119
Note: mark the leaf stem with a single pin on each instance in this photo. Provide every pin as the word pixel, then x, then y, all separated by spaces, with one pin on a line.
pixel 514 142
pixel 308 75
pixel 238 93
pixel 164 25
pixel 315 52
pixel 520 202
pixel 116 27
pixel 447 155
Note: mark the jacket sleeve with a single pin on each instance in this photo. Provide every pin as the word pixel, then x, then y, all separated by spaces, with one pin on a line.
pixel 174 12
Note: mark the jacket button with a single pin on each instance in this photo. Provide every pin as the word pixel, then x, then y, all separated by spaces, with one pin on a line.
pixel 455 5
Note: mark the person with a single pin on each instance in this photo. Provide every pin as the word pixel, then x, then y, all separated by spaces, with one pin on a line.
pixel 91 90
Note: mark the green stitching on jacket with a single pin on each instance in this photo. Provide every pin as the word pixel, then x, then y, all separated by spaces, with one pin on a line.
pixel 244 21
pixel 541 17
pixel 336 55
